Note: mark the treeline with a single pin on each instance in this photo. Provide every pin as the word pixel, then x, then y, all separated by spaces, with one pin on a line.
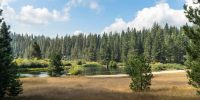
pixel 158 44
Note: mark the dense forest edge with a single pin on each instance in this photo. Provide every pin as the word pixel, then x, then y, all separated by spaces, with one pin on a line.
pixel 164 47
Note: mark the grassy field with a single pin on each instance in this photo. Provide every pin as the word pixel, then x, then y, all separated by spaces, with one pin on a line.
pixel 164 87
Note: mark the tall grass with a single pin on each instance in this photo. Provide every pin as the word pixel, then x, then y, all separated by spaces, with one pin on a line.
pixel 164 87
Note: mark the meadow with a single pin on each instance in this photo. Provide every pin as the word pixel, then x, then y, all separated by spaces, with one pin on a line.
pixel 164 87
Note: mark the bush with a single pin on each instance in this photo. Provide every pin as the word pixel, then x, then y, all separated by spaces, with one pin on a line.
pixel 66 63
pixel 79 62
pixel 113 65
pixel 31 63
pixel 76 70
pixel 168 66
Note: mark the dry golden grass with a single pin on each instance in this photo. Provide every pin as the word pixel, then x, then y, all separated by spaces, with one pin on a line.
pixel 164 87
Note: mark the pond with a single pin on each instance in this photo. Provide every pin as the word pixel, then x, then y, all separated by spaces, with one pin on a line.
pixel 88 71
pixel 41 74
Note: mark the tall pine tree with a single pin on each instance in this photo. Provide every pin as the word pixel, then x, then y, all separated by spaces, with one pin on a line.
pixel 140 72
pixel 35 51
pixel 9 79
pixel 193 50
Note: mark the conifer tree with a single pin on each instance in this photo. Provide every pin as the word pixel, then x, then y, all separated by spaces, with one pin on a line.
pixel 193 50
pixel 140 72
pixel 9 79
pixel 117 49
pixel 36 51
pixel 55 68
pixel 92 53
pixel 125 46
pixel 158 44
pixel 158 50
pixel 148 46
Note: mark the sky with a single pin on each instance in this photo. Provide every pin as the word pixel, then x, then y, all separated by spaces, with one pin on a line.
pixel 71 17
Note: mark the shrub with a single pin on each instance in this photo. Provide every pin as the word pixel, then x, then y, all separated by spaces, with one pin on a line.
pixel 66 63
pixel 113 65
pixel 79 62
pixel 76 70
pixel 31 63
pixel 168 66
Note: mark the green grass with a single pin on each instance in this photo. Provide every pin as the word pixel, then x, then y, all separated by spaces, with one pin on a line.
pixel 92 64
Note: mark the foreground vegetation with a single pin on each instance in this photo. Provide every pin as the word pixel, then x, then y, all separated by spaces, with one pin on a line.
pixel 164 87
pixel 10 85
pixel 193 49
pixel 140 72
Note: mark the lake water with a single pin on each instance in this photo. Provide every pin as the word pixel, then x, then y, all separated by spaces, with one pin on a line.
pixel 42 74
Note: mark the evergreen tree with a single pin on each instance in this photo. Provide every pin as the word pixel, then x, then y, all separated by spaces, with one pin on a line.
pixel 92 49
pixel 117 50
pixel 104 48
pixel 55 68
pixel 9 79
pixel 158 50
pixel 35 51
pixel 92 53
pixel 193 50
pixel 140 72
pixel 148 46
pixel 125 46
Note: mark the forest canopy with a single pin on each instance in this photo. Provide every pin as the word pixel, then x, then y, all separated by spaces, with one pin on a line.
pixel 158 44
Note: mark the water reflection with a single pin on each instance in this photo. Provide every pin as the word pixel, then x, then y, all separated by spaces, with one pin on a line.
pixel 41 74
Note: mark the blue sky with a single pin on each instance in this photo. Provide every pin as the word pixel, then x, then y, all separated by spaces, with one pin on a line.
pixel 52 17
